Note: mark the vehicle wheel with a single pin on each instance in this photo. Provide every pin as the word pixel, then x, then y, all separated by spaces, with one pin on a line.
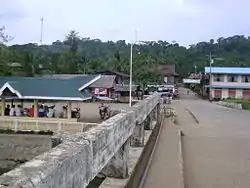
pixel 102 117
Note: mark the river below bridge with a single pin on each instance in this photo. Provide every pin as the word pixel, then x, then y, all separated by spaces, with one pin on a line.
pixel 16 149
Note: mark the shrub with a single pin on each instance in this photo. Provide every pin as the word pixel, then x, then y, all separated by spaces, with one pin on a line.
pixel 245 103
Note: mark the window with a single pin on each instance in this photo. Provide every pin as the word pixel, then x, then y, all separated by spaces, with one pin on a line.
pixel 218 78
pixel 245 79
pixel 232 78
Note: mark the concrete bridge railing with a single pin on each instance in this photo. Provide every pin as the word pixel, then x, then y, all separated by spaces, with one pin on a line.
pixel 78 157
pixel 16 124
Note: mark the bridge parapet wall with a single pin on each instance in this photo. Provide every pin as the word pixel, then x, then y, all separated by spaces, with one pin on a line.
pixel 18 124
pixel 81 156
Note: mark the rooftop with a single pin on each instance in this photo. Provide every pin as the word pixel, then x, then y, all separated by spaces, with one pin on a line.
pixel 228 70
pixel 48 88
pixel 108 72
pixel 106 81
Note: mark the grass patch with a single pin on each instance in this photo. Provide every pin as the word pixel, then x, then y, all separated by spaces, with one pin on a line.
pixel 245 103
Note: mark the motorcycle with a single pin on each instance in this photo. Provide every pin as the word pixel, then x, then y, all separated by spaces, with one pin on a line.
pixel 104 112
pixel 167 100
pixel 75 113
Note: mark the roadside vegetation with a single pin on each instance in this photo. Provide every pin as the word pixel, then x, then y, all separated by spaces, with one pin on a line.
pixel 77 54
pixel 245 103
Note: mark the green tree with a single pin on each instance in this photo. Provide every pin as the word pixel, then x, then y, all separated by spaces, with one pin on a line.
pixel 72 39
pixel 3 37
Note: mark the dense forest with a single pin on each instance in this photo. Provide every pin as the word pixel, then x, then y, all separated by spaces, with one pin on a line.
pixel 84 55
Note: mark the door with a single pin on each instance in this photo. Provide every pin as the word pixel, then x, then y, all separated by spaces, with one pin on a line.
pixel 217 93
pixel 231 93
pixel 246 94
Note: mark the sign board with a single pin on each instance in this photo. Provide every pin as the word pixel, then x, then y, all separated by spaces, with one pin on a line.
pixel 100 91
pixel 166 79
pixel 191 81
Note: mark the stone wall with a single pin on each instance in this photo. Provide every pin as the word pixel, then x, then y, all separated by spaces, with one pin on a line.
pixel 81 156
pixel 230 105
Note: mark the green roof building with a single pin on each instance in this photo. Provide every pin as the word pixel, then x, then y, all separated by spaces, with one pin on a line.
pixel 40 88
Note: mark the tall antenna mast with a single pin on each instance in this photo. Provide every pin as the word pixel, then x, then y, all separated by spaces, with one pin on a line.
pixel 41 39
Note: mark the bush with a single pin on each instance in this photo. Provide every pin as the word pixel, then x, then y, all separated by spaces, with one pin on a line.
pixel 245 103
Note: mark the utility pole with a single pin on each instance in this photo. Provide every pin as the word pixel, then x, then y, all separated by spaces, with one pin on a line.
pixel 210 76
pixel 41 36
pixel 131 68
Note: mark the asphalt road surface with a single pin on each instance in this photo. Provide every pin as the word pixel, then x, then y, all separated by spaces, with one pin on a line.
pixel 216 150
pixel 216 147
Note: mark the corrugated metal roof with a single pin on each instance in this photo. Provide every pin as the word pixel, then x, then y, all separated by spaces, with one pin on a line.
pixel 119 87
pixel 106 81
pixel 228 70
pixel 62 76
pixel 49 87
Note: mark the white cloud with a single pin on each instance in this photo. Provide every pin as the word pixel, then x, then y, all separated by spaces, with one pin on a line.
pixel 185 21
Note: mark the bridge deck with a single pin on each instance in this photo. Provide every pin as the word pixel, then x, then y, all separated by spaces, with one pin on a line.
pixel 216 147
pixel 216 150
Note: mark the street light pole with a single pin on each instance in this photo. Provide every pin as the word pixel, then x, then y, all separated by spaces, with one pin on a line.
pixel 131 73
pixel 131 69
pixel 210 76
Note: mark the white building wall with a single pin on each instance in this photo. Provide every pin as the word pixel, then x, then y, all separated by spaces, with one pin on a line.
pixel 239 93
pixel 212 92
pixel 239 82
pixel 225 83
pixel 224 93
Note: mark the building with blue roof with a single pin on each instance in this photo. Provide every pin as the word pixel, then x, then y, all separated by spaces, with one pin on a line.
pixel 229 82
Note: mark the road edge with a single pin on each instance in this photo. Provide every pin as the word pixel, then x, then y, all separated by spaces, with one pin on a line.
pixel 193 115
pixel 151 155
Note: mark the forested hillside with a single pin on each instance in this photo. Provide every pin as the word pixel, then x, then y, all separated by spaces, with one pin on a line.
pixel 83 55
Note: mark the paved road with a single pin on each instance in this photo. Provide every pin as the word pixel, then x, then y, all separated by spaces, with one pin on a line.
pixel 217 150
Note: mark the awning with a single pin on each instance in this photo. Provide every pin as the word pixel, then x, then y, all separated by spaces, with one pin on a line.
pixel 10 98
pixel 164 93
pixel 103 98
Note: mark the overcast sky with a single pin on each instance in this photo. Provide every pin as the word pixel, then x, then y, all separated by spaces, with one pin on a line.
pixel 184 21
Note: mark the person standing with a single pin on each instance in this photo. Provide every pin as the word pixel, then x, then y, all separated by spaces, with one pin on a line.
pixel 12 110
pixel 51 112
pixel 18 110
pixel 7 110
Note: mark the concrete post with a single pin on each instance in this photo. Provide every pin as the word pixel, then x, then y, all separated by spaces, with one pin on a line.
pixel 154 114
pixel 158 111
pixel 137 138
pixel 69 109
pixel 148 123
pixel 2 106
pixel 22 103
pixel 35 108
pixel 118 165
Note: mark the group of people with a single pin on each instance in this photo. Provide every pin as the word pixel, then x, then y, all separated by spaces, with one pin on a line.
pixel 18 110
pixel 13 110
pixel 42 111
